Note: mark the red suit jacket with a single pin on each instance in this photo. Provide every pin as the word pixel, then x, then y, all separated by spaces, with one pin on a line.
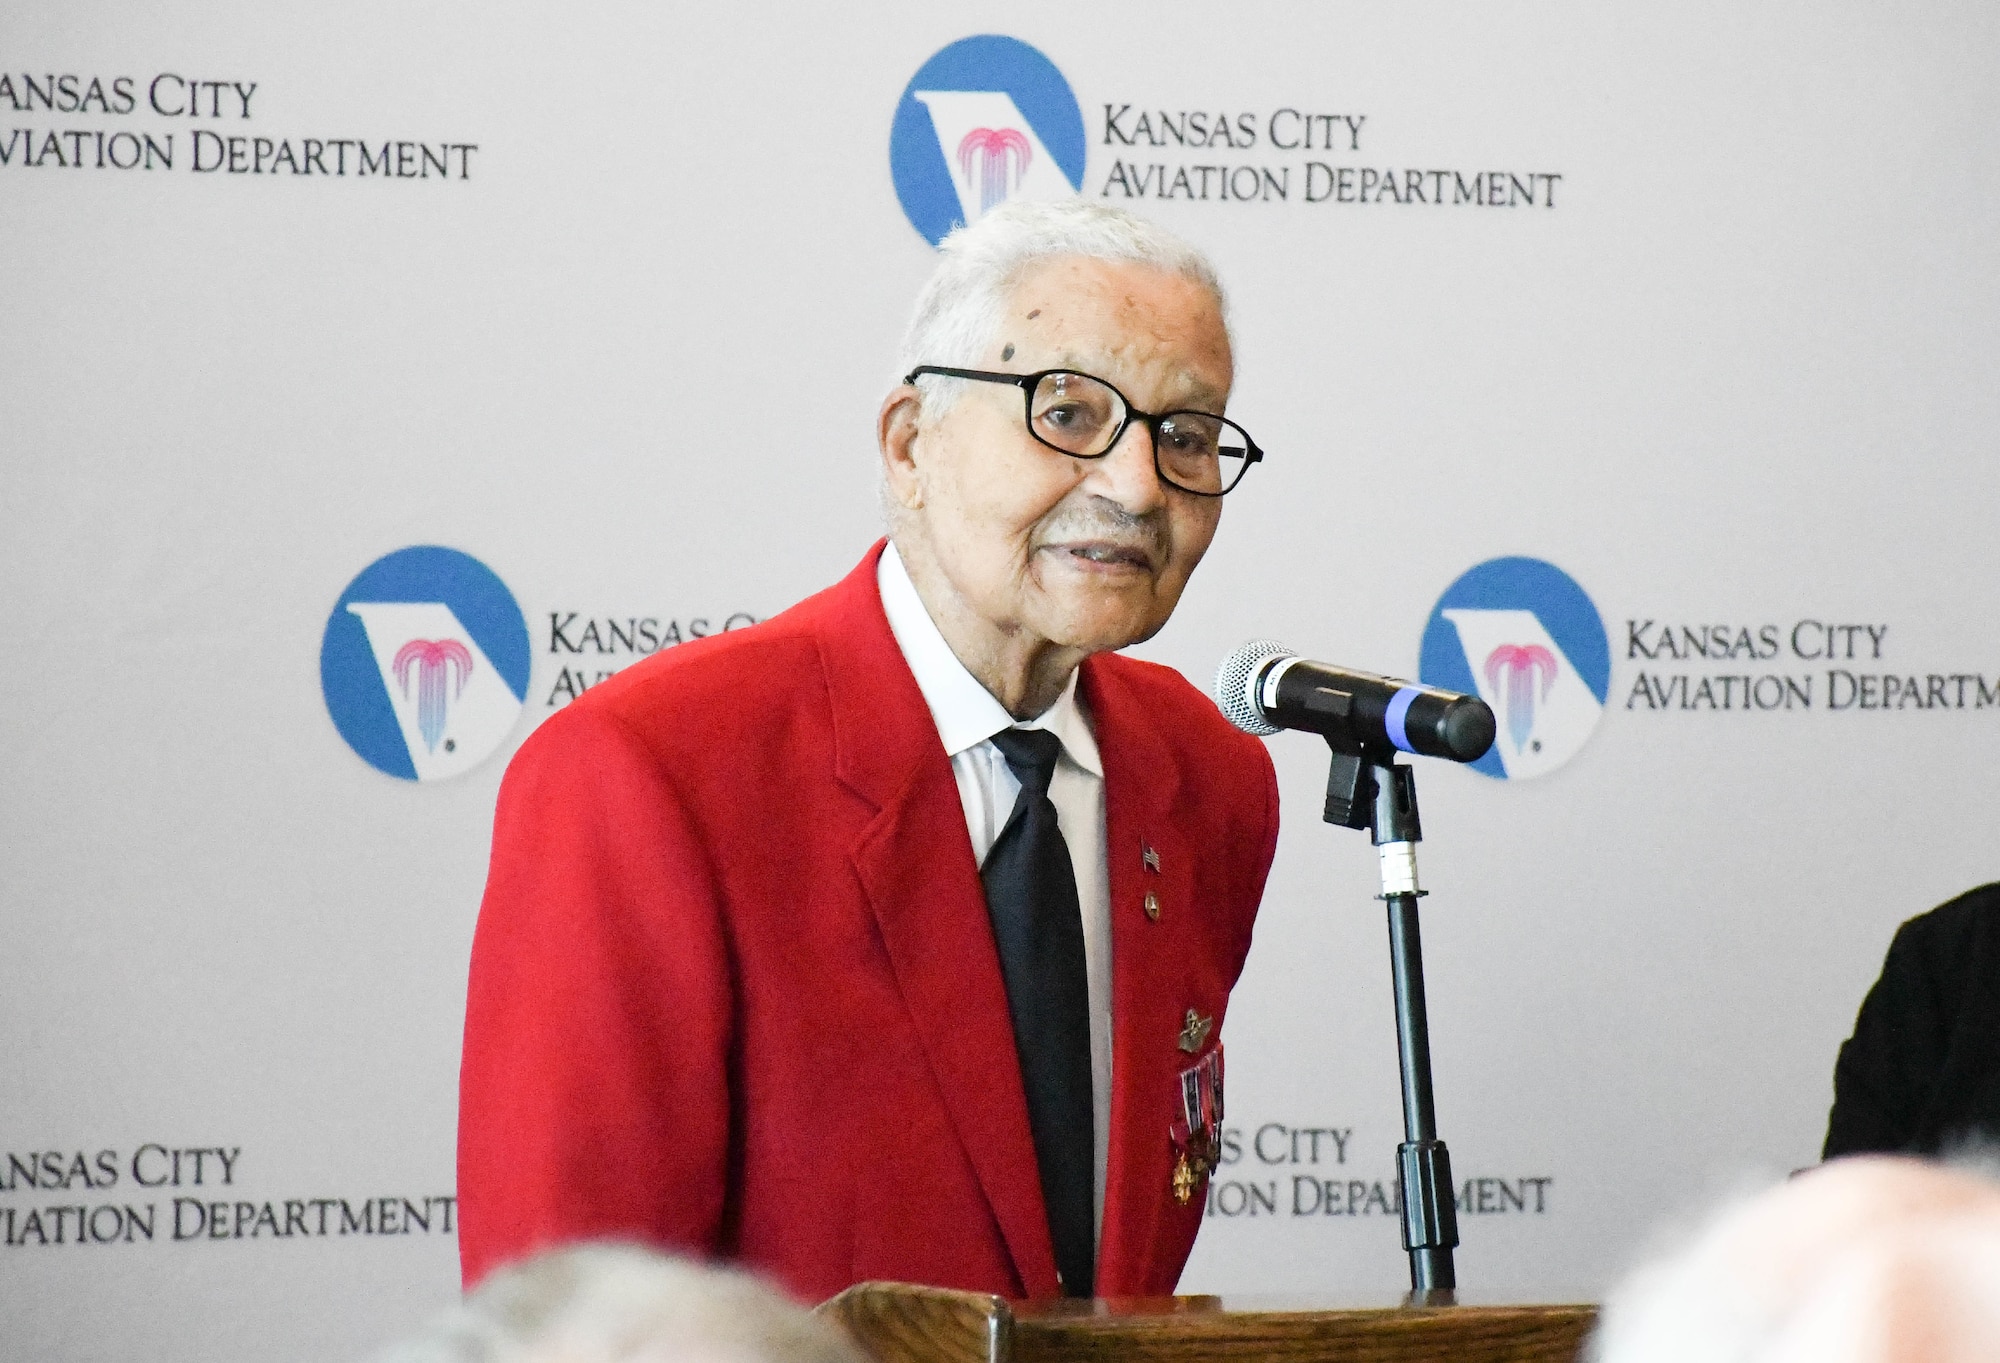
pixel 734 991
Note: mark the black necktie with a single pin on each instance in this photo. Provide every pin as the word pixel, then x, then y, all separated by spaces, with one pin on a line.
pixel 1038 926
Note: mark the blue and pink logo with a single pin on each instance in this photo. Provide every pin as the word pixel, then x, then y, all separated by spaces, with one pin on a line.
pixel 1524 637
pixel 424 663
pixel 985 120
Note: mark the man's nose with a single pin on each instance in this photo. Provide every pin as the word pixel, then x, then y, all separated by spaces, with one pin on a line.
pixel 1128 474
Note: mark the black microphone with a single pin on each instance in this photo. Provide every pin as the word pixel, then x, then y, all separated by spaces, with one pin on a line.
pixel 1263 687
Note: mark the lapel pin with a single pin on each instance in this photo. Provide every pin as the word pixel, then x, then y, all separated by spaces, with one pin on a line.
pixel 1151 858
pixel 1152 906
pixel 1195 1031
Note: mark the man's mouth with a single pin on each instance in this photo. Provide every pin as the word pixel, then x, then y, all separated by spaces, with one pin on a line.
pixel 1108 554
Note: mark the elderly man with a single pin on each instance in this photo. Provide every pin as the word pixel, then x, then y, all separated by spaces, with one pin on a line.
pixel 891 938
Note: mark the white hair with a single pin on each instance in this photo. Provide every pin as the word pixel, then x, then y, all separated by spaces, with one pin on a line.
pixel 610 1303
pixel 1863 1261
pixel 963 303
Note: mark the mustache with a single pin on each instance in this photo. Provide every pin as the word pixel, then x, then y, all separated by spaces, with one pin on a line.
pixel 1103 520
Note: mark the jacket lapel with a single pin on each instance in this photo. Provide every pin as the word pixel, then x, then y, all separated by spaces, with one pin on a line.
pixel 914 861
pixel 1141 781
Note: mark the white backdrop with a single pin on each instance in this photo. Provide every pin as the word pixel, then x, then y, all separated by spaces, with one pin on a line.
pixel 627 354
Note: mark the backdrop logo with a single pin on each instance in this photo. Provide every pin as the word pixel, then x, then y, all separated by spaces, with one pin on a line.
pixel 1522 635
pixel 425 663
pixel 985 120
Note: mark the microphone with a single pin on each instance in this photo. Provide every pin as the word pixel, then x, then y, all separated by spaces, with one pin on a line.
pixel 1263 687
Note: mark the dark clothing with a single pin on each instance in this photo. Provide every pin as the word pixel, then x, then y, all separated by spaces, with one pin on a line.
pixel 1922 1069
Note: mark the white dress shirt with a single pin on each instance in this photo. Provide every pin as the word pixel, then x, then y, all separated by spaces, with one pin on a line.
pixel 967 717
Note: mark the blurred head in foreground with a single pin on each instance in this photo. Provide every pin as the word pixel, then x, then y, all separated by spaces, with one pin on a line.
pixel 620 1304
pixel 1868 1260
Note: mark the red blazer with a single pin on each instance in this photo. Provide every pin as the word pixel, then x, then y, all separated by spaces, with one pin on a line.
pixel 734 990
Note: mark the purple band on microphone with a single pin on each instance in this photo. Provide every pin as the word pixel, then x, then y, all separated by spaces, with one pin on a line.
pixel 1394 717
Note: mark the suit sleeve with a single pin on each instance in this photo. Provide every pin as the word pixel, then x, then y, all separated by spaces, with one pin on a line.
pixel 1888 1071
pixel 1267 846
pixel 594 1090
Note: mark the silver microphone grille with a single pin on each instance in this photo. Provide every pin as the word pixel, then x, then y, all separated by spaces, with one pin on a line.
pixel 1232 685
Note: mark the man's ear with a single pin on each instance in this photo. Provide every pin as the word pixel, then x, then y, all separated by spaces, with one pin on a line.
pixel 896 434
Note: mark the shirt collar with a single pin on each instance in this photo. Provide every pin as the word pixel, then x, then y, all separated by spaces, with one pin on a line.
pixel 965 712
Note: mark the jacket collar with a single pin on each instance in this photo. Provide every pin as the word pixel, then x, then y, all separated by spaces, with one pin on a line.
pixel 965 712
pixel 1141 785
pixel 914 861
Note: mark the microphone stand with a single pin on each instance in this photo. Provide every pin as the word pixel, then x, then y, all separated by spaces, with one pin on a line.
pixel 1367 788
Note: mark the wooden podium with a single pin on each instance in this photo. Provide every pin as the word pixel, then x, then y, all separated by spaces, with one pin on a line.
pixel 901 1323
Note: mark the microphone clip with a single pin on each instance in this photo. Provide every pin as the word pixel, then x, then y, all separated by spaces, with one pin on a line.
pixel 1366 788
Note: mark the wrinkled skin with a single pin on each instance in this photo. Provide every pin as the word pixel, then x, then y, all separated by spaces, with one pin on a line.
pixel 1030 560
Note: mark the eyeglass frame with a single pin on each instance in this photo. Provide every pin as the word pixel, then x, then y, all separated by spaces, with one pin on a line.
pixel 1253 453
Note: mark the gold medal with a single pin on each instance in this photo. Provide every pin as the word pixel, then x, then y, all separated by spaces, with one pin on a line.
pixel 1183 1179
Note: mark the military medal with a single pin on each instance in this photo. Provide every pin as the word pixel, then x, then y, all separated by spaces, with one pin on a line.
pixel 1196 1131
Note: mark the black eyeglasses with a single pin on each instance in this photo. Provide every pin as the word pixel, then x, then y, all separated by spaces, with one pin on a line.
pixel 1085 417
